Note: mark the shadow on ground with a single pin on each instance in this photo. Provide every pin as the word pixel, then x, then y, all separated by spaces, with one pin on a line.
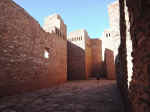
pixel 75 96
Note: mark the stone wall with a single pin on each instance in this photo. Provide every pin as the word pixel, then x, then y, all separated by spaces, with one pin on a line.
pixel 23 43
pixel 121 60
pixel 113 13
pixel 88 57
pixel 96 46
pixel 136 92
pixel 111 36
pixel 140 32
pixel 84 55
pixel 109 64
pixel 77 55
pixel 76 62
pixel 55 24
pixel 57 59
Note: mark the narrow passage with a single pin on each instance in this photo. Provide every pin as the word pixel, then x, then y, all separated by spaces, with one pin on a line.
pixel 74 96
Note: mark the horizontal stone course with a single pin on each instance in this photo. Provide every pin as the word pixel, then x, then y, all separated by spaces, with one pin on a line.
pixel 23 66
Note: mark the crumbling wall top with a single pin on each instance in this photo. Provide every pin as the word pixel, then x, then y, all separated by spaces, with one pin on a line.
pixel 55 24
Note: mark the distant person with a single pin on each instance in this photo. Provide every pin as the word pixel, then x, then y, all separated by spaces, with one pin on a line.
pixel 98 78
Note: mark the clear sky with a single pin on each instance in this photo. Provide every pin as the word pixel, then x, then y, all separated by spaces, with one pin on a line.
pixel 91 15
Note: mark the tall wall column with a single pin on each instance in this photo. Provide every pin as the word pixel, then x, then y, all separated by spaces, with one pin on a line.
pixel 136 91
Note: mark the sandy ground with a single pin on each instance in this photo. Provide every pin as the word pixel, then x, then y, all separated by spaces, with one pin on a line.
pixel 74 96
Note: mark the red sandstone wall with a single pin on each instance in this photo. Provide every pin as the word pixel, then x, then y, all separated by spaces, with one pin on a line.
pixel 96 46
pixel 137 94
pixel 58 59
pixel 88 57
pixel 110 65
pixel 76 62
pixel 121 60
pixel 22 44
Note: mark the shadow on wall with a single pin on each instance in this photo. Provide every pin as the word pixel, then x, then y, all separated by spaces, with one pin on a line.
pixel 121 83
pixel 109 64
pixel 23 45
pixel 137 94
pixel 96 48
pixel 76 62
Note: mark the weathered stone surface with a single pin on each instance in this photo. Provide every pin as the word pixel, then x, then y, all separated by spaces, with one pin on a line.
pixel 111 36
pixel 136 92
pixel 88 56
pixel 84 55
pixel 139 87
pixel 75 96
pixel 55 24
pixel 79 55
pixel 23 43
pixel 113 11
pixel 96 45
pixel 110 65
pixel 76 62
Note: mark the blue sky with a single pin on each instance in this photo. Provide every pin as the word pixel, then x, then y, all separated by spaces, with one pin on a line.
pixel 91 15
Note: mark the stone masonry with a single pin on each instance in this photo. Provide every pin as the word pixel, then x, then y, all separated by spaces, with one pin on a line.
pixel 79 58
pixel 96 47
pixel 84 55
pixel 113 12
pixel 111 39
pixel 30 57
pixel 73 96
pixel 109 64
pixel 55 24
pixel 135 88
pixel 33 57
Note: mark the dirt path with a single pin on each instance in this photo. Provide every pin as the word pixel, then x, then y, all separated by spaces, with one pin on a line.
pixel 75 96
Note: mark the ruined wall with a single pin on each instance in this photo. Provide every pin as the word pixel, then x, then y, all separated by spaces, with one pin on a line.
pixel 114 31
pixel 113 12
pixel 121 60
pixel 79 55
pixel 140 32
pixel 137 90
pixel 76 62
pixel 88 56
pixel 109 64
pixel 55 24
pixel 23 42
pixel 76 55
pixel 57 59
pixel 96 46
pixel 111 36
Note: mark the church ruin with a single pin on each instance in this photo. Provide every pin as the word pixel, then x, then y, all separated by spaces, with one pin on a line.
pixel 32 57
pixel 84 55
